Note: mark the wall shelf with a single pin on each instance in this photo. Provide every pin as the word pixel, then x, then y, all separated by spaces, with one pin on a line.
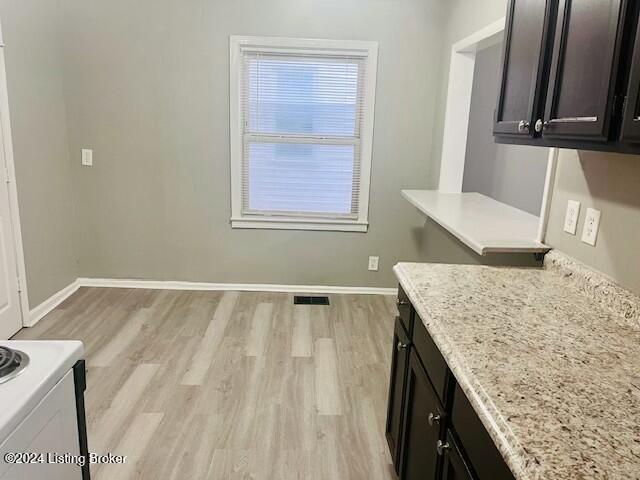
pixel 480 222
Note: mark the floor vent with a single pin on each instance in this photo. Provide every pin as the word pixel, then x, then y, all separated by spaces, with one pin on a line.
pixel 300 300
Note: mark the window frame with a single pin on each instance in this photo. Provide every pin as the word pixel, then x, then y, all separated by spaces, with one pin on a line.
pixel 368 50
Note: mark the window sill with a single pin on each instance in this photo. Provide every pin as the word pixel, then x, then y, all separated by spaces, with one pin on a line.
pixel 300 224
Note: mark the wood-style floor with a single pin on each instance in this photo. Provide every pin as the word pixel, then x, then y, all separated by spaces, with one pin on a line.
pixel 228 385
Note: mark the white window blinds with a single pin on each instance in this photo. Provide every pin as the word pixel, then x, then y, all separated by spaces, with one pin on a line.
pixel 302 117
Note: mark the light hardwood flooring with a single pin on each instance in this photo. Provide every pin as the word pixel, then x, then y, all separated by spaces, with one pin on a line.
pixel 228 385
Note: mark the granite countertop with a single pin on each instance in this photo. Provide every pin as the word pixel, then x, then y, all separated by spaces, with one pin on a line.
pixel 548 357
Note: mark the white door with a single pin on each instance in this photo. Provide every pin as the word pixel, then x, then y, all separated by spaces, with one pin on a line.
pixel 10 310
pixel 10 313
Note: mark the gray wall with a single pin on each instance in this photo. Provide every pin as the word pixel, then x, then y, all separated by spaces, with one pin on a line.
pixel 512 174
pixel 608 182
pixel 147 89
pixel 31 30
pixel 145 84
pixel 150 94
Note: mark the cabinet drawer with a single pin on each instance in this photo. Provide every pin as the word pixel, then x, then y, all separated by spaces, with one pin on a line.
pixel 485 459
pixel 405 310
pixel 431 358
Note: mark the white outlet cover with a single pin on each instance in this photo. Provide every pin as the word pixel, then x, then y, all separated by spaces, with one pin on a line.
pixel 571 218
pixel 373 263
pixel 591 226
pixel 87 157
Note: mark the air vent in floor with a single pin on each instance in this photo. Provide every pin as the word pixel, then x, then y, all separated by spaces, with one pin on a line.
pixel 301 300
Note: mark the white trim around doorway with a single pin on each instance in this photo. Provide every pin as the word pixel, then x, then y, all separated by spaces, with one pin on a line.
pixel 7 145
pixel 456 123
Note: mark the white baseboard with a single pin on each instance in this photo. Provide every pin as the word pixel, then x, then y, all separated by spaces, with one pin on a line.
pixel 39 311
pixel 241 287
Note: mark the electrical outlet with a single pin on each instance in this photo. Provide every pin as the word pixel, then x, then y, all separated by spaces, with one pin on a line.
pixel 571 218
pixel 87 157
pixel 591 225
pixel 373 263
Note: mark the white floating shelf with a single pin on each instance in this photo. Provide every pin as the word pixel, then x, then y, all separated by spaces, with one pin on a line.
pixel 480 222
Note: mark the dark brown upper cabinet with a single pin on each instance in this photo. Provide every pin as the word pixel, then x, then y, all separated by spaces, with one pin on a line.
pixel 630 131
pixel 524 54
pixel 578 86
pixel 584 67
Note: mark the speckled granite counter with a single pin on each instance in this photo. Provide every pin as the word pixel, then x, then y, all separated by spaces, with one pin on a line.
pixel 549 358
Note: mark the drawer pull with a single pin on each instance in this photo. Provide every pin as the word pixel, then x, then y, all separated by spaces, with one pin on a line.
pixel 401 303
pixel 401 346
pixel 442 447
pixel 434 419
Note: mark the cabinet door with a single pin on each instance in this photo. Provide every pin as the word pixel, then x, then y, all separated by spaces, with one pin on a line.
pixel 397 381
pixel 455 467
pixel 631 117
pixel 422 426
pixel 523 66
pixel 584 66
pixel 480 449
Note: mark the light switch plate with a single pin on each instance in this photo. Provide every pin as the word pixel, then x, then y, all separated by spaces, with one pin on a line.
pixel 87 157
pixel 571 218
pixel 591 226
pixel 373 263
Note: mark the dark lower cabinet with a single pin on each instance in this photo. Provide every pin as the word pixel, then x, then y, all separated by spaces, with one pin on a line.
pixel 479 448
pixel 454 465
pixel 405 311
pixel 397 382
pixel 420 459
pixel 431 358
pixel 432 430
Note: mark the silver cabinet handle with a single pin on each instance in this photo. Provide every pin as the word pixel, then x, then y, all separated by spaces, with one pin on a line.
pixel 523 126
pixel 442 447
pixel 542 126
pixel 401 303
pixel 434 419
pixel 401 346
pixel 539 125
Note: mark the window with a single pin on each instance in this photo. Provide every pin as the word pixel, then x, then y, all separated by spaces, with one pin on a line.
pixel 301 133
